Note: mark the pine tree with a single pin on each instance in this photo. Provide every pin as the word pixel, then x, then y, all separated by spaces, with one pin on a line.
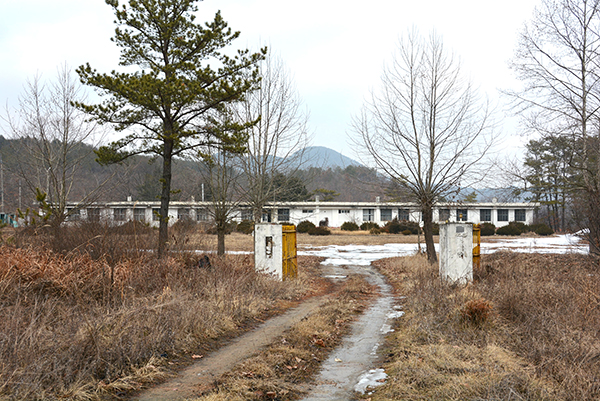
pixel 168 106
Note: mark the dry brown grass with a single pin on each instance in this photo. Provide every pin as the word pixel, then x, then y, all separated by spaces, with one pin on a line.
pixel 194 238
pixel 539 339
pixel 436 353
pixel 283 370
pixel 552 305
pixel 244 242
pixel 80 325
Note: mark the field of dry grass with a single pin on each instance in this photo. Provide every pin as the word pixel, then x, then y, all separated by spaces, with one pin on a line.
pixel 91 315
pixel 244 242
pixel 527 329
pixel 99 321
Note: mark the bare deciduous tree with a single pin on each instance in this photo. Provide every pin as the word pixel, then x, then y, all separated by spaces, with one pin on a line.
pixel 276 142
pixel 558 61
pixel 426 128
pixel 50 134
pixel 221 172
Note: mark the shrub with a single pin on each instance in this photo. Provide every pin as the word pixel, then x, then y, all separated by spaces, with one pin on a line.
pixel 131 227
pixel 229 228
pixel 476 311
pixel 183 226
pixel 319 231
pixel 406 232
pixel 541 229
pixel 393 227
pixel 510 229
pixel 368 225
pixel 412 226
pixel 435 228
pixel 245 226
pixel 350 226
pixel 400 226
pixel 522 227
pixel 375 231
pixel 487 229
pixel 305 226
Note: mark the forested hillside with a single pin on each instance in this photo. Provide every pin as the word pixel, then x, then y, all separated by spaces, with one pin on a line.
pixel 139 178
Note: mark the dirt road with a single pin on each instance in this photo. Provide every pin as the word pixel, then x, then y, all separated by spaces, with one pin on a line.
pixel 348 368
pixel 191 381
pixel 340 372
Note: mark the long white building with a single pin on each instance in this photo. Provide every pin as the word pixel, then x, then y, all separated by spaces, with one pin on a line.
pixel 336 213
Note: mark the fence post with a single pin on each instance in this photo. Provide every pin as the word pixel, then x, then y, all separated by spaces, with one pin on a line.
pixel 290 260
pixel 477 246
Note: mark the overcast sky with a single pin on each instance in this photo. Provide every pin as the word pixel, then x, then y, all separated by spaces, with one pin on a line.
pixel 334 49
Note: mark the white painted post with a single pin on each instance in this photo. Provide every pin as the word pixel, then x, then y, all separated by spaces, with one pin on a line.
pixel 268 250
pixel 456 253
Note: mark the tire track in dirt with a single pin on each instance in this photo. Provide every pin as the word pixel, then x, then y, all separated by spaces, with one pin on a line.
pixel 191 381
pixel 342 371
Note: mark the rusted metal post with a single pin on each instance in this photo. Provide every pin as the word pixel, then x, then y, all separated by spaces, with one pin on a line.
pixel 290 261
pixel 476 246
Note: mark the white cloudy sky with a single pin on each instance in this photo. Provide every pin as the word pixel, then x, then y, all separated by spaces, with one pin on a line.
pixel 334 49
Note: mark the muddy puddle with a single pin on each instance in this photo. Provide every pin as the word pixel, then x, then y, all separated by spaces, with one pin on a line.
pixel 354 366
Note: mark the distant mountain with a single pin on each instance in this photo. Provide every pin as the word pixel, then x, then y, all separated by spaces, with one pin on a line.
pixel 508 194
pixel 320 156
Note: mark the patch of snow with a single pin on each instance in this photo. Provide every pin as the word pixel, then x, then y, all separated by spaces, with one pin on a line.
pixel 386 328
pixel 374 349
pixel 566 243
pixel 359 255
pixel 372 378
pixel 395 315
pixel 363 255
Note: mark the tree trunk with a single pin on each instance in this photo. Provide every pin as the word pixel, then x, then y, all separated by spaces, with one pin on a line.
pixel 428 233
pixel 257 214
pixel 220 241
pixel 165 198
pixel 593 213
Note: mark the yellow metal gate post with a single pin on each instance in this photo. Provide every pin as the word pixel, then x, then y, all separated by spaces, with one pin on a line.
pixel 477 246
pixel 290 261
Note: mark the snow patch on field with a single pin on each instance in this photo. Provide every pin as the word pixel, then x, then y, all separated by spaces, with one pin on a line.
pixel 363 255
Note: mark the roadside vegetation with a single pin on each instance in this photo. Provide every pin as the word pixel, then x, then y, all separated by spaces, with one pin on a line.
pixel 285 369
pixel 526 329
pixel 84 317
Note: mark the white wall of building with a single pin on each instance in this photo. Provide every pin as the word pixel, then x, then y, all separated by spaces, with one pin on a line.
pixel 336 212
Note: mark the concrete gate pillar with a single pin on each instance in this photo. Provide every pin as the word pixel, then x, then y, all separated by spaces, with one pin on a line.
pixel 456 252
pixel 275 250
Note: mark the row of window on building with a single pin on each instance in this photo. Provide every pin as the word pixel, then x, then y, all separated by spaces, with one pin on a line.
pixel 485 215
pixel 283 215
pixel 137 214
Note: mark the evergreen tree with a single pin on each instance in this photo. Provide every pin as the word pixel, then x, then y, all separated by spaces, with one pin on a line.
pixel 168 106
pixel 551 176
pixel 289 188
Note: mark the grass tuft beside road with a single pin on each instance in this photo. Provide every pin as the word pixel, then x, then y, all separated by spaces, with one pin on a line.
pixel 526 329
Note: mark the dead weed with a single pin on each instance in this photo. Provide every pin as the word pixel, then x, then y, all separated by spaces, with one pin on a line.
pixel 455 343
pixel 283 370
pixel 75 327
